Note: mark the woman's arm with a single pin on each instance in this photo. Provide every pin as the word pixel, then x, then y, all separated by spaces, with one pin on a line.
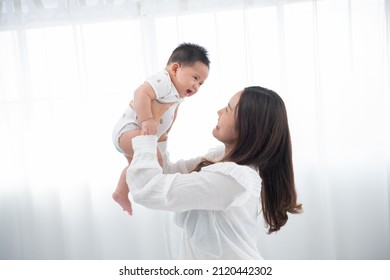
pixel 181 166
pixel 176 192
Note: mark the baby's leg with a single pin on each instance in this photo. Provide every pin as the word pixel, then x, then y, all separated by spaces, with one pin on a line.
pixel 121 194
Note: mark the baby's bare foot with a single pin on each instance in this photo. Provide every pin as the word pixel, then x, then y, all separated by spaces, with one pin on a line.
pixel 123 201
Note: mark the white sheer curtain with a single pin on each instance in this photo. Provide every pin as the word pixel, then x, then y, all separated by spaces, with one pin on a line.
pixel 68 69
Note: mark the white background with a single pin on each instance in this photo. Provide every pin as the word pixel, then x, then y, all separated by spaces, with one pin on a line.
pixel 67 74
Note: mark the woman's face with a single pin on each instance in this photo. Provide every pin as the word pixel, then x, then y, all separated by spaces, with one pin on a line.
pixel 225 130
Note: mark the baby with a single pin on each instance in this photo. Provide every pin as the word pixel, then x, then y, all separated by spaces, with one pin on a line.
pixel 155 104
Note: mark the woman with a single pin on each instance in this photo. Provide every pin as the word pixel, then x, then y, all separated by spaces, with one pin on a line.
pixel 217 198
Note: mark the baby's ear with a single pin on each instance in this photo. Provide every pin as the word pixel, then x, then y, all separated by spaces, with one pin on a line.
pixel 174 66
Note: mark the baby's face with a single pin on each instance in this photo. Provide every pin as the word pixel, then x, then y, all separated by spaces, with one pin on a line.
pixel 188 79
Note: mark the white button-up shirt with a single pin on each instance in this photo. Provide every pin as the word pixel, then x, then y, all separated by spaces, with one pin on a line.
pixel 216 209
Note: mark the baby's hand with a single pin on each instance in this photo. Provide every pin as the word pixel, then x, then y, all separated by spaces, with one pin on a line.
pixel 149 127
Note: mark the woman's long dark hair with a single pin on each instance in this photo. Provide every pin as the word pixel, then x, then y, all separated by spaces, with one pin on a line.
pixel 264 142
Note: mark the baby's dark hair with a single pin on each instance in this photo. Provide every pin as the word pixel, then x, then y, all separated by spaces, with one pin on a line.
pixel 187 54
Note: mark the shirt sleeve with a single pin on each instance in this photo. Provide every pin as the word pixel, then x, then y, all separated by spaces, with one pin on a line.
pixel 204 190
pixel 163 87
pixel 181 166
pixel 188 165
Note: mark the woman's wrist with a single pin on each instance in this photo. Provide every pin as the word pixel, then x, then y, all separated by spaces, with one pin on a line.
pixel 162 146
pixel 145 144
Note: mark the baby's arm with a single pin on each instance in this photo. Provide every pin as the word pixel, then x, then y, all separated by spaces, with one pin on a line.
pixel 143 97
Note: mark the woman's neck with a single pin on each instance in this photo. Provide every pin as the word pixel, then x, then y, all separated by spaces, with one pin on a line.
pixel 228 149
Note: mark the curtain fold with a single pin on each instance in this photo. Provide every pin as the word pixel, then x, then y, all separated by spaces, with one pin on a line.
pixel 69 68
